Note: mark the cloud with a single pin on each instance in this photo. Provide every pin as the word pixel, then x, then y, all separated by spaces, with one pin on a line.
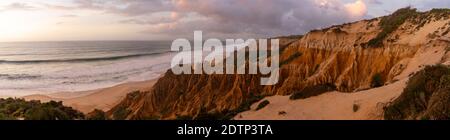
pixel 140 7
pixel 161 20
pixel 89 4
pixel 69 16
pixel 121 7
pixel 236 18
pixel 376 2
pixel 357 9
pixel 18 6
pixel 264 17
pixel 76 5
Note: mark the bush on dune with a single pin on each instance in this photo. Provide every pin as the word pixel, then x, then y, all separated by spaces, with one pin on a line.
pixel 426 97
pixel 390 23
pixel 312 91
pixel 262 104
pixel 204 114
pixel 97 115
pixel 121 113
pixel 377 80
pixel 11 109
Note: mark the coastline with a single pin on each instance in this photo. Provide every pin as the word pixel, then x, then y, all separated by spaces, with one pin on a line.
pixel 102 99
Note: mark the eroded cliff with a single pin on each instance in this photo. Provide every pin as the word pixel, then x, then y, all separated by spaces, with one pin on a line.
pixel 350 57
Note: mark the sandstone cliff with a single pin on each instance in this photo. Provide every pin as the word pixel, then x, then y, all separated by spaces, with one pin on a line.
pixel 349 58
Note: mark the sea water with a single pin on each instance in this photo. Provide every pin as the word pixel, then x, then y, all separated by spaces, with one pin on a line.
pixel 49 67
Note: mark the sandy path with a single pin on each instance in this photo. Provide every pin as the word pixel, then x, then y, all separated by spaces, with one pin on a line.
pixel 103 99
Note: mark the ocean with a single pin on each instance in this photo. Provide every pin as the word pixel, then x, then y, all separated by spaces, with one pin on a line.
pixel 50 67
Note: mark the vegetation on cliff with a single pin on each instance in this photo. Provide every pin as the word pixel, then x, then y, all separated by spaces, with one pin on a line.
pixel 290 37
pixel 97 115
pixel 262 104
pixel 426 97
pixel 312 91
pixel 120 112
pixel 12 109
pixel 389 24
pixel 377 80
pixel 319 62
pixel 225 115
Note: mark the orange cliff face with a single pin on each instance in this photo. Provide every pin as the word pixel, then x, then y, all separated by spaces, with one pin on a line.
pixel 339 56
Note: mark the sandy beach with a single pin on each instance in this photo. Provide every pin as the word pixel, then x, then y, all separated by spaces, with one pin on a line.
pixel 103 99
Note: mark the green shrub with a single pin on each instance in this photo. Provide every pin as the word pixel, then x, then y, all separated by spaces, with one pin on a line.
pixel 262 104
pixel 120 113
pixel 390 23
pixel 377 80
pixel 355 107
pixel 440 13
pixel 185 117
pixel 339 31
pixel 34 110
pixel 290 37
pixel 97 115
pixel 6 117
pixel 426 96
pixel 312 91
pixel 445 32
pixel 204 114
pixel 245 106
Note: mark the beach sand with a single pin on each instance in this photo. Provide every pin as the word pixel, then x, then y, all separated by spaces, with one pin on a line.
pixel 103 99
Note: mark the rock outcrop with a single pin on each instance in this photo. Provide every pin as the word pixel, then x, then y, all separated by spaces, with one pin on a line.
pixel 340 56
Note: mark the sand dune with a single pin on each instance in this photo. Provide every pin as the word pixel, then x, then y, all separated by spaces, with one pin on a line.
pixel 361 105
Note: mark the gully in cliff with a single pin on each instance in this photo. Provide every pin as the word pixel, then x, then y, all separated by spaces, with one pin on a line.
pixel 211 57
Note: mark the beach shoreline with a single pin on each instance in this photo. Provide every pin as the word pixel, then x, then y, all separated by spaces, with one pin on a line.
pixel 102 99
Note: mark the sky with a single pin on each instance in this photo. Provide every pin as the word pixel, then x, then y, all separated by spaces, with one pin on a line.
pixel 65 20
